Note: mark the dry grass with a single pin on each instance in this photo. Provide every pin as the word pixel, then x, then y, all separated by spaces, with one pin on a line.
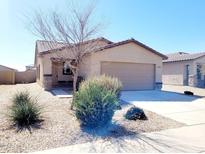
pixel 60 127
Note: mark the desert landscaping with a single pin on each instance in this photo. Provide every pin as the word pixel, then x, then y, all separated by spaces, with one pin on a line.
pixel 60 126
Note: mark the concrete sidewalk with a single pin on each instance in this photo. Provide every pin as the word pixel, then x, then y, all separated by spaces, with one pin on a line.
pixel 62 93
pixel 184 139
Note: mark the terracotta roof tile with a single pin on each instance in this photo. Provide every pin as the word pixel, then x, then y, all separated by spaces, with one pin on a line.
pixel 182 56
pixel 47 47
pixel 134 41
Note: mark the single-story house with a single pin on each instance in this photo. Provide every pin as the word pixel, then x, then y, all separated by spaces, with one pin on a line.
pixel 7 75
pixel 184 69
pixel 138 66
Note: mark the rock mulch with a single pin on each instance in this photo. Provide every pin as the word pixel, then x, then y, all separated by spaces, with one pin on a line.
pixel 60 127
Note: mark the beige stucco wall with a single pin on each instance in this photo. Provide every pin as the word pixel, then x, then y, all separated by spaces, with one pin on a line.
pixel 130 53
pixel 173 73
pixel 25 76
pixel 85 67
pixel 91 65
pixel 46 70
pixel 47 67
pixel 199 61
pixel 46 77
pixel 39 61
pixel 47 64
pixel 202 62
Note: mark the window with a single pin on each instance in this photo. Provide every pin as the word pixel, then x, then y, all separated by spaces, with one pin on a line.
pixel 66 70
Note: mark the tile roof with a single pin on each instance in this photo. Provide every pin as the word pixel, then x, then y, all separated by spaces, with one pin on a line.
pixel 47 47
pixel 182 56
pixel 133 41
pixel 43 46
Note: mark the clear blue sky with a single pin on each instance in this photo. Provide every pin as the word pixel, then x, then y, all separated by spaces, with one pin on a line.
pixel 165 25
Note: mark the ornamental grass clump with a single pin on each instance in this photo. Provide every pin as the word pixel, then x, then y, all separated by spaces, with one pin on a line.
pixel 24 111
pixel 110 83
pixel 96 101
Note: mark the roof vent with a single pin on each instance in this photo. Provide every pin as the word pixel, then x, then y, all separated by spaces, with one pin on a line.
pixel 182 53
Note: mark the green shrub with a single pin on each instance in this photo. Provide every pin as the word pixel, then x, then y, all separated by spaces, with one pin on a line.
pixel 110 83
pixel 24 112
pixel 96 101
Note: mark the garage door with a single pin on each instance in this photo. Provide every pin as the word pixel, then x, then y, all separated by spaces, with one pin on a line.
pixel 132 75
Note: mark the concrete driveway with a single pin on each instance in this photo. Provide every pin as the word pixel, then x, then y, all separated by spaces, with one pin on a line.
pixel 186 109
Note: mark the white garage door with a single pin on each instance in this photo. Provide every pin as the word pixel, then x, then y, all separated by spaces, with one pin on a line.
pixel 133 76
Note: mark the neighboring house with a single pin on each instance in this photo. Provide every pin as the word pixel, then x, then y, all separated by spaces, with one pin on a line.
pixel 138 66
pixel 7 75
pixel 184 69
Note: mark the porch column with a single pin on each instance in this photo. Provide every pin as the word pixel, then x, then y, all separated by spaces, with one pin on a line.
pixel 47 73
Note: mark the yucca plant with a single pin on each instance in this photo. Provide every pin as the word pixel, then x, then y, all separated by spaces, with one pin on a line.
pixel 24 111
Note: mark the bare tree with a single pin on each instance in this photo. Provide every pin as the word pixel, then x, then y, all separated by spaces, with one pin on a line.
pixel 75 30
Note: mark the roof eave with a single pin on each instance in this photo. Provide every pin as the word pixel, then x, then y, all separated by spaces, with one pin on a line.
pixel 111 46
pixel 183 59
pixel 133 41
pixel 172 61
pixel 148 48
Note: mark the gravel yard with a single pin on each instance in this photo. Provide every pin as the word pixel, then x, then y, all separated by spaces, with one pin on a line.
pixel 60 127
